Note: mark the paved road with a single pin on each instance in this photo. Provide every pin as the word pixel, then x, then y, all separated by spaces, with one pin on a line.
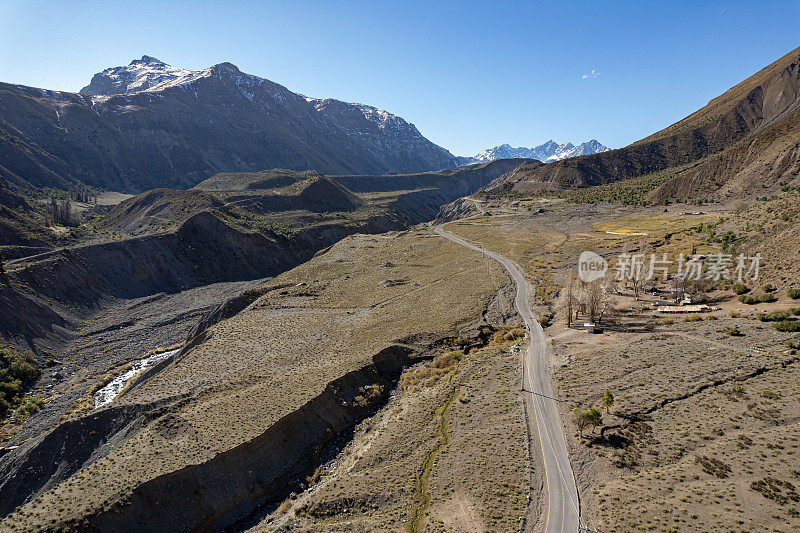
pixel 563 505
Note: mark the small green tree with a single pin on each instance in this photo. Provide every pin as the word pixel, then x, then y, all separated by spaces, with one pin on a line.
pixel 608 400
pixel 589 417
pixel 593 417
pixel 579 420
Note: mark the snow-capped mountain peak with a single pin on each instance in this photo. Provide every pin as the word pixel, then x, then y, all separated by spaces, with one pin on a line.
pixel 150 74
pixel 547 152
pixel 145 74
pixel 291 129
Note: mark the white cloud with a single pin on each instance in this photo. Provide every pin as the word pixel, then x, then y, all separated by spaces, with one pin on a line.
pixel 593 74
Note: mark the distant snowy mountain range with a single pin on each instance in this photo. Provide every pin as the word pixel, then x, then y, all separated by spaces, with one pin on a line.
pixel 547 152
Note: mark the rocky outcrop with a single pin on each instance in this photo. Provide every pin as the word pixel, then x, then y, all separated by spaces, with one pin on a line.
pixel 461 208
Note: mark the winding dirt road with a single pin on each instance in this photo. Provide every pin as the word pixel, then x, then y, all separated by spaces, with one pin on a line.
pixel 563 504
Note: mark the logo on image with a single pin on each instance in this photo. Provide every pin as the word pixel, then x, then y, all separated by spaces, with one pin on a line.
pixel 591 266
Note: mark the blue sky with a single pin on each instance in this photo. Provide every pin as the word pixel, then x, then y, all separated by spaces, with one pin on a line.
pixel 468 74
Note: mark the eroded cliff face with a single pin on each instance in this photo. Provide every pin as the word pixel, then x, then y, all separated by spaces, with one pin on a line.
pixel 461 208
pixel 273 381
pixel 203 250
pixel 210 496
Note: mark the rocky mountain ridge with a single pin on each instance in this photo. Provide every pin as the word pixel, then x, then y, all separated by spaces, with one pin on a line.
pixel 741 144
pixel 150 125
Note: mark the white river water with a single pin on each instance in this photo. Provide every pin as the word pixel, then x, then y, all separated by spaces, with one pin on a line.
pixel 109 392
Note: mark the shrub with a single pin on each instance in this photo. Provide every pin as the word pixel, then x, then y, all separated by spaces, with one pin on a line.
pixel 544 320
pixel 608 400
pixel 30 405
pixel 514 334
pixel 767 287
pixel 767 297
pixel 740 288
pixel 774 317
pixel 747 299
pixel 16 373
pixel 770 395
pixel 508 334
pixel 794 294
pixel 735 332
pixel 788 326
pixel 447 359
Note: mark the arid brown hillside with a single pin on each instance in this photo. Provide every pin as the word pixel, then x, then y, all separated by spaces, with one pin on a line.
pixel 231 227
pixel 19 224
pixel 291 200
pixel 742 141
pixel 244 412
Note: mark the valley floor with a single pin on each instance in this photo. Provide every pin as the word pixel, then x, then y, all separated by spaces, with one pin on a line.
pixel 269 398
pixel 376 387
pixel 703 431
pixel 105 339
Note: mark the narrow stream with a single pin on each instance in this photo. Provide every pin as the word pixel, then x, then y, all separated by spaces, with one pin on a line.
pixel 109 392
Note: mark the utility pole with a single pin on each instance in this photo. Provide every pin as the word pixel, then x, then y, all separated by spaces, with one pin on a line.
pixel 483 247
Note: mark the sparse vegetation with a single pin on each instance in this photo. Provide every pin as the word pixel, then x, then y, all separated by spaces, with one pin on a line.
pixel 713 466
pixel 631 191
pixel 740 288
pixel 29 405
pixel 782 492
pixel 254 222
pixel 17 373
pixel 788 326
pixel 589 417
pixel 778 315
